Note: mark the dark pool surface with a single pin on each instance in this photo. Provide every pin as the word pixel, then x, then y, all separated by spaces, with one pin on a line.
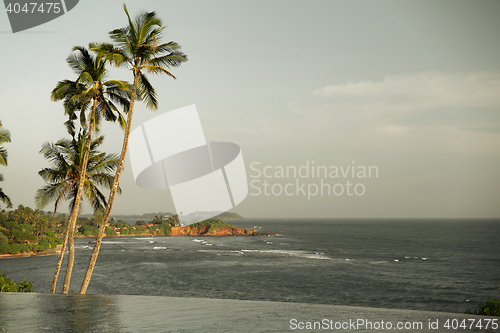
pixel 33 312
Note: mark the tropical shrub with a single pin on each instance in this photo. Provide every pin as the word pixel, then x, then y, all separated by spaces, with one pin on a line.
pixel 3 238
pixel 490 308
pixel 7 285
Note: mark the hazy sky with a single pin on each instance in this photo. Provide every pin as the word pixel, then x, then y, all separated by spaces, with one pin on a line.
pixel 411 87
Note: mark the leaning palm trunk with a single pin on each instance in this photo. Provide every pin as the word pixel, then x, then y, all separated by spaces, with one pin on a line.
pixel 112 194
pixel 59 262
pixel 76 207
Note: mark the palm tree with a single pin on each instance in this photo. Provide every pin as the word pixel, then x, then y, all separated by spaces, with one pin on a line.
pixel 89 91
pixel 66 157
pixel 137 48
pixel 4 137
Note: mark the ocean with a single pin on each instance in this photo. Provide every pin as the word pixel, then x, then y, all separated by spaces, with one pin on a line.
pixel 414 264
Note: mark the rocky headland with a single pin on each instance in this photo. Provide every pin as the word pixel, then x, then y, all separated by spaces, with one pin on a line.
pixel 219 231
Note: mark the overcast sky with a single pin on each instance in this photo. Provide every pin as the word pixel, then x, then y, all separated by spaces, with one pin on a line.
pixel 411 87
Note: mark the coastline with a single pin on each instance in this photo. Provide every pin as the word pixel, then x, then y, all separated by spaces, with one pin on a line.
pixel 53 251
pixel 198 231
pixel 176 232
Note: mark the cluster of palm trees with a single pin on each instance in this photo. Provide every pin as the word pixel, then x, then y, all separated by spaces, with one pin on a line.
pixel 78 168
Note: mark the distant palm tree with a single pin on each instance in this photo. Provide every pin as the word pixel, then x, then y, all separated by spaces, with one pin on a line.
pixel 4 137
pixel 89 91
pixel 66 157
pixel 136 47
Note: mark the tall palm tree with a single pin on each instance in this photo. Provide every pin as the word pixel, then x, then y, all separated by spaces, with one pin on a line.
pixel 89 91
pixel 66 157
pixel 137 48
pixel 4 137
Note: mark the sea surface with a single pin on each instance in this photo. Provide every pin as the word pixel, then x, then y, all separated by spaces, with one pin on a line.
pixel 432 265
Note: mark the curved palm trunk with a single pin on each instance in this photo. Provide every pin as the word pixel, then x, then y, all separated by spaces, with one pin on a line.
pixel 59 262
pixel 112 194
pixel 63 251
pixel 76 207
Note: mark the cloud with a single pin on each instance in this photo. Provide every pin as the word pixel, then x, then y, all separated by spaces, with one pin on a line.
pixel 392 130
pixel 421 113
pixel 419 91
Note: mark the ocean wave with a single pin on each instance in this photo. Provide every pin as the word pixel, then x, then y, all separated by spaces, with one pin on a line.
pixel 291 253
pixel 202 242
pixel 294 253
pixel 119 242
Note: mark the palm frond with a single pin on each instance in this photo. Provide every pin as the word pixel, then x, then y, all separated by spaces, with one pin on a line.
pixel 51 192
pixel 146 92
pixel 174 59
pixel 3 156
pixel 112 54
pixel 146 23
pixel 4 136
pixel 62 177
pixel 5 199
pixel 167 48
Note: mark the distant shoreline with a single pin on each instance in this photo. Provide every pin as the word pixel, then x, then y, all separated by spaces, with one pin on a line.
pixel 176 232
pixel 53 251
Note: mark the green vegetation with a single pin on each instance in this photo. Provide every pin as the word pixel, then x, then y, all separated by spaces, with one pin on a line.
pixel 7 285
pixel 229 216
pixel 159 226
pixel 25 230
pixel 490 308
pixel 213 225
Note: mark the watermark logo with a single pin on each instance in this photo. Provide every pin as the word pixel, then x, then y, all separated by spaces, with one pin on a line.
pixel 26 14
pixel 205 179
pixel 310 180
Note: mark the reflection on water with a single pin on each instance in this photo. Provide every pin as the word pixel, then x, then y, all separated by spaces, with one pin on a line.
pixel 58 313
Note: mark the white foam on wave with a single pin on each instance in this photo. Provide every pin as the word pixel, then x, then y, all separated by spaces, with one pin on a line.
pixel 293 253
pixel 119 242
pixel 159 248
